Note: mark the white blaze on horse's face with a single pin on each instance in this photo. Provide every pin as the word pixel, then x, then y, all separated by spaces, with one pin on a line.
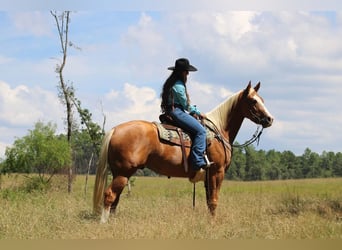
pixel 262 114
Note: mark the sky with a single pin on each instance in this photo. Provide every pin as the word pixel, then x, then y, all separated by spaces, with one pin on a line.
pixel 120 59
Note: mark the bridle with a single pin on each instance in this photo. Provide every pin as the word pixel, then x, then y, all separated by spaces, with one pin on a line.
pixel 227 144
pixel 257 133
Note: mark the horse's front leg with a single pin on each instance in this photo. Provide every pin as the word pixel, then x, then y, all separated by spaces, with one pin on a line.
pixel 213 184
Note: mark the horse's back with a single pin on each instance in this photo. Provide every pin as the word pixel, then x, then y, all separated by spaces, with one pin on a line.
pixel 134 127
pixel 134 133
pixel 132 142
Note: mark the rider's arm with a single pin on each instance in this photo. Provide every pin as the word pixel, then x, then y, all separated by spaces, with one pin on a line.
pixel 180 98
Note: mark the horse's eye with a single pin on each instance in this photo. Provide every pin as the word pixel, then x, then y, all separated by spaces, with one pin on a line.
pixel 254 102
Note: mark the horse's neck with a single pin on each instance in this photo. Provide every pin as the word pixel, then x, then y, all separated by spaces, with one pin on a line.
pixel 234 125
pixel 227 117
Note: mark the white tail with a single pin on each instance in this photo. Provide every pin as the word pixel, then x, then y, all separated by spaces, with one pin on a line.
pixel 101 174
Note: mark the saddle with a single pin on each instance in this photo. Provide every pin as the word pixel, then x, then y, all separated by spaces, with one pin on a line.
pixel 170 133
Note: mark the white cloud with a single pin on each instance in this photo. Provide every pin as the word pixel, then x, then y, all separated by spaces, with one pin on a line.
pixel 235 24
pixel 205 95
pixel 22 106
pixel 5 139
pixel 112 95
pixel 141 99
pixel 34 23
pixel 4 60
pixel 259 42
pixel 131 103
pixel 146 45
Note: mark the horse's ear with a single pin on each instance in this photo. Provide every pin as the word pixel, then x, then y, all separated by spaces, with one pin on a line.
pixel 256 88
pixel 246 91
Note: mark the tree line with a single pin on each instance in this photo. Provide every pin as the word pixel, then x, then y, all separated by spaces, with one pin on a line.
pixel 250 164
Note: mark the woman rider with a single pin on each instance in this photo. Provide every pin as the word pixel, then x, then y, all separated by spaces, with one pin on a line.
pixel 176 103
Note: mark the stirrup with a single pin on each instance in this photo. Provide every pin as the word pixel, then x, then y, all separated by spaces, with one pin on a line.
pixel 208 163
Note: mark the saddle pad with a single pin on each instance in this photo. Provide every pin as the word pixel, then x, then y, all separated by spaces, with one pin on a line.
pixel 168 133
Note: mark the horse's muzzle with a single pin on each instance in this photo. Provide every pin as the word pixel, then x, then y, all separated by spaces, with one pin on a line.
pixel 266 121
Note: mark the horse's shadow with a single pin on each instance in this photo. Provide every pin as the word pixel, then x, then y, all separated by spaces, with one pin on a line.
pixel 88 215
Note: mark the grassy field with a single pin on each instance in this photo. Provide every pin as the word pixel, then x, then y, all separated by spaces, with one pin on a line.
pixel 161 208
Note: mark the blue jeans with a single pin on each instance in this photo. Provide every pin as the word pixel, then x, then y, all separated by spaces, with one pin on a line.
pixel 197 133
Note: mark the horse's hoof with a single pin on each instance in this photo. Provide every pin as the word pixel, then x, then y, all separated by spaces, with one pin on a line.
pixel 105 216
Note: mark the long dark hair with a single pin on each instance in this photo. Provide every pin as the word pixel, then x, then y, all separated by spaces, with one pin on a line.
pixel 170 81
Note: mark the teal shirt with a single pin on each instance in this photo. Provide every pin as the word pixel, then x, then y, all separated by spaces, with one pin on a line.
pixel 179 98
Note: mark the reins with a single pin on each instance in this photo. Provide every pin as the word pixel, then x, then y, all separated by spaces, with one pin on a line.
pixel 255 137
pixel 218 135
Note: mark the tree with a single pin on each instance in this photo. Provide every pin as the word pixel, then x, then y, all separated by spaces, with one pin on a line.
pixel 83 151
pixel 327 163
pixel 337 167
pixel 94 131
pixel 310 164
pixel 254 164
pixel 1 172
pixel 68 97
pixel 236 169
pixel 41 151
pixel 290 166
pixel 273 170
pixel 65 91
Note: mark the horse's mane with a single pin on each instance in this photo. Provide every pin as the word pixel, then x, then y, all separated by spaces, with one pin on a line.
pixel 219 114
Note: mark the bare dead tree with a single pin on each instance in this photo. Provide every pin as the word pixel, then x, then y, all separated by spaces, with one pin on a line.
pixel 65 92
pixel 68 97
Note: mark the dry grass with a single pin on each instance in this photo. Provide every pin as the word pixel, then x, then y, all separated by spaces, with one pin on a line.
pixel 159 208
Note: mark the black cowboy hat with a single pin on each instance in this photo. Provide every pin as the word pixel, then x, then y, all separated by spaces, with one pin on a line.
pixel 182 64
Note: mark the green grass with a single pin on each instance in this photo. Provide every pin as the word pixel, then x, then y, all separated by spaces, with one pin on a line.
pixel 159 208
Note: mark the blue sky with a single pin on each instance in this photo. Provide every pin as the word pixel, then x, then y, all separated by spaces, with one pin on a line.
pixel 297 56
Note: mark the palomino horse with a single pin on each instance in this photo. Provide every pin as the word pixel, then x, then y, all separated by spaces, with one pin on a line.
pixel 135 144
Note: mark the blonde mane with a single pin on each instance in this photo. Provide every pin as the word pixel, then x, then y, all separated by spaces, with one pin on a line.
pixel 219 114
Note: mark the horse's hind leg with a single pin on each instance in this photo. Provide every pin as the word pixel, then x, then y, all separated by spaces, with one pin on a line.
pixel 112 196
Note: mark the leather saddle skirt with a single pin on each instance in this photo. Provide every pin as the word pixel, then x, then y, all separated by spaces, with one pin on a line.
pixel 170 133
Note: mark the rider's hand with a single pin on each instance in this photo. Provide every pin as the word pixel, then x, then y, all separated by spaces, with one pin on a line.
pixel 202 116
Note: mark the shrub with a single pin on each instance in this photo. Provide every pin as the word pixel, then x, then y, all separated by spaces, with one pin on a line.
pixel 36 184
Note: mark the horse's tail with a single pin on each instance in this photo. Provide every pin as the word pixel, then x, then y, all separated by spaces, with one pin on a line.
pixel 101 174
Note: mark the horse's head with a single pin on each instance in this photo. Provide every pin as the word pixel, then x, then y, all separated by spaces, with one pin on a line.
pixel 254 107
